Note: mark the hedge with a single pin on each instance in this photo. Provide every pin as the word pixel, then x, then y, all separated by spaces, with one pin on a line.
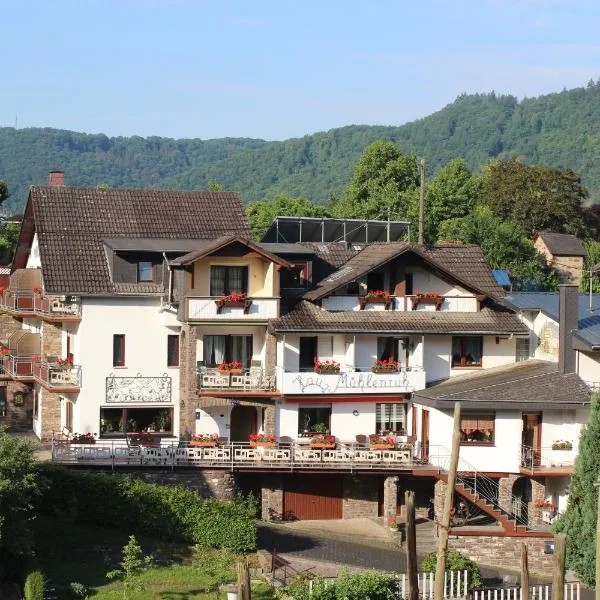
pixel 34 586
pixel 141 508
pixel 455 561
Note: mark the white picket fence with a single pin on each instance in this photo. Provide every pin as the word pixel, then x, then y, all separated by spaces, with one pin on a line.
pixel 572 591
pixel 456 585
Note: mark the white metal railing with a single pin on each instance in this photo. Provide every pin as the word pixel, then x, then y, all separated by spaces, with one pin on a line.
pixel 398 303
pixel 233 455
pixel 18 366
pixel 52 375
pixel 203 308
pixel 252 379
pixel 46 306
pixel 572 591
pixel 547 457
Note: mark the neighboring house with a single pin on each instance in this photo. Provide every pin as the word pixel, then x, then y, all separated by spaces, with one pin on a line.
pixel 563 252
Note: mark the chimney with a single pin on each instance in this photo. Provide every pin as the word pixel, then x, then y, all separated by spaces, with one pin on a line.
pixel 56 178
pixel 568 316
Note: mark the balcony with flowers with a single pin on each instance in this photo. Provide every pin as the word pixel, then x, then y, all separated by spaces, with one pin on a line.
pixel 56 374
pixel 379 298
pixel 429 297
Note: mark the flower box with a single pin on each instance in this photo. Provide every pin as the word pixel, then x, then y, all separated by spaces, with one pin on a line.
pixel 385 366
pixel 323 445
pixel 198 444
pixel 562 445
pixel 381 446
pixel 262 444
pixel 233 368
pixel 327 371
pixel 436 300
pixel 385 300
pixel 234 300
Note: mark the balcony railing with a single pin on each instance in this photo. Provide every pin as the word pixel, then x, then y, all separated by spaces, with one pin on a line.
pixel 51 375
pixel 351 380
pixel 27 302
pixel 206 308
pixel 547 459
pixel 347 457
pixel 249 380
pixel 399 303
pixel 18 367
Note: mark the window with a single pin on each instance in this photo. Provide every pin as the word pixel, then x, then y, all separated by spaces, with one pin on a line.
pixel 145 271
pixel 173 351
pixel 387 348
pixel 115 422
pixel 36 404
pixel 390 418
pixel 375 281
pixel 408 284
pixel 477 429
pixel 225 280
pixel 296 277
pixel 118 350
pixel 308 353
pixel 218 349
pixel 522 352
pixel 467 351
pixel 69 415
pixel 314 419
pixel 2 401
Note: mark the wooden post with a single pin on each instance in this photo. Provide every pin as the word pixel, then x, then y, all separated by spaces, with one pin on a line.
pixel 440 569
pixel 411 547
pixel 524 572
pixel 558 568
pixel 243 577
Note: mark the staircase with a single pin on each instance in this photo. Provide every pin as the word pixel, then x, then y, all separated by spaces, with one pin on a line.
pixel 483 492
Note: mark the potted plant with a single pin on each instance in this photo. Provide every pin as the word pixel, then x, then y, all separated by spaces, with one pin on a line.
pixel 420 297
pixel 326 367
pixel 379 442
pixel 262 440
pixel 562 445
pixel 163 419
pixel 83 438
pixel 324 441
pixel 205 440
pixel 376 297
pixel 38 290
pixel 142 439
pixel 65 364
pixel 234 299
pixel 385 366
pixel 233 368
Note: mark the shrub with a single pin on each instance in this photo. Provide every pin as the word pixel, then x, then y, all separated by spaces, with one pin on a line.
pixel 455 561
pixel 127 503
pixel 78 591
pixel 34 586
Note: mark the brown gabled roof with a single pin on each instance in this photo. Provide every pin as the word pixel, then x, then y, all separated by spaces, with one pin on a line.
pixel 462 263
pixel 307 317
pixel 71 223
pixel 563 244
pixel 210 246
pixel 533 382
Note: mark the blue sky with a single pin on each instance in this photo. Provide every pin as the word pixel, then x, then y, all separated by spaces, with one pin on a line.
pixel 279 69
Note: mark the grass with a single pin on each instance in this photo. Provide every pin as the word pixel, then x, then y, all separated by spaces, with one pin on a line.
pixel 69 552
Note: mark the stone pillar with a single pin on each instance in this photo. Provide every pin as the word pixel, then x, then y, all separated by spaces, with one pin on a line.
pixel 270 352
pixel 19 406
pixel 272 499
pixel 538 492
pixel 269 420
pixel 360 496
pixel 505 492
pixel 390 499
pixel 52 339
pixel 187 380
pixel 50 415
pixel 439 497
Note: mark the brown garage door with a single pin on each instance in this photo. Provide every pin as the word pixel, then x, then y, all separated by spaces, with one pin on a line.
pixel 312 497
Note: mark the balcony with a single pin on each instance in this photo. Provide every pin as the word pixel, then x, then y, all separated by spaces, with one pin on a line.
pixel 55 377
pixel 254 380
pixel 26 303
pixel 238 456
pixel 19 352
pixel 352 381
pixel 547 461
pixel 208 308
pixel 400 303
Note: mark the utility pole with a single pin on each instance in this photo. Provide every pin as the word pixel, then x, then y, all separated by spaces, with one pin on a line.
pixel 524 572
pixel 440 570
pixel 411 547
pixel 422 204
pixel 558 568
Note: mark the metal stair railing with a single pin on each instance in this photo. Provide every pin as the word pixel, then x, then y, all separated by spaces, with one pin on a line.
pixel 482 487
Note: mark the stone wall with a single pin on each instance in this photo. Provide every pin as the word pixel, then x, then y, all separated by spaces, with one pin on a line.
pixel 49 414
pixel 269 420
pixel 272 498
pixel 361 497
pixel 538 492
pixel 19 406
pixel 52 339
pixel 187 380
pixel 505 491
pixel 503 552
pixel 8 325
pixel 390 499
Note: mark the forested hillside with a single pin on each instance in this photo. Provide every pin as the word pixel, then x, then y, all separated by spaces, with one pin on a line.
pixel 561 130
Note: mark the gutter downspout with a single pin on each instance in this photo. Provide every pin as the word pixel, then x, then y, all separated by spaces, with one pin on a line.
pixel 170 296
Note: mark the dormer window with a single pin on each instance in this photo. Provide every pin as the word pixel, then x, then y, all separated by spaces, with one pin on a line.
pixel 145 271
pixel 225 280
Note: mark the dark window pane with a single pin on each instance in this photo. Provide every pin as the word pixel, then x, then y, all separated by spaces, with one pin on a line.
pixel 173 351
pixel 118 350
pixel 314 419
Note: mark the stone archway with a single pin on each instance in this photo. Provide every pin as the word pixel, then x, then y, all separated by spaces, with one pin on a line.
pixel 521 498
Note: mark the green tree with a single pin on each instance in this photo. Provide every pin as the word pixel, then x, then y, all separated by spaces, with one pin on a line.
pixel 133 564
pixel 3 191
pixel 34 586
pixel 455 561
pixel 213 186
pixel 504 245
pixel 261 214
pixel 592 260
pixel 384 183
pixel 579 519
pixel 9 236
pixel 538 197
pixel 19 486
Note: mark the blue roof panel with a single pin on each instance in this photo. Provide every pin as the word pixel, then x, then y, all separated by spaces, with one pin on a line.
pixel 502 277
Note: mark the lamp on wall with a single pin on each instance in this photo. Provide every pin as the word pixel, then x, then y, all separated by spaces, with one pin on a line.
pixel 355 413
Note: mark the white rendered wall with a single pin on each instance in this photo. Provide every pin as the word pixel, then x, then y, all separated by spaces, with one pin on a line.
pixel 145 353
pixel 33 261
pixel 588 367
pixel 557 490
pixel 217 419
pixel 498 354
pixel 436 357
pixel 346 426
pixel 562 425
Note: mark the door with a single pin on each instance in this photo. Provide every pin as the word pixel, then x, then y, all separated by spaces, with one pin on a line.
pixel 424 434
pixel 308 353
pixel 375 281
pixel 531 438
pixel 242 423
pixel 308 497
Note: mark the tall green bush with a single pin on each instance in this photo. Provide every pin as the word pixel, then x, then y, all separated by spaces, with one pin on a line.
pixel 142 508
pixel 455 561
pixel 34 586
